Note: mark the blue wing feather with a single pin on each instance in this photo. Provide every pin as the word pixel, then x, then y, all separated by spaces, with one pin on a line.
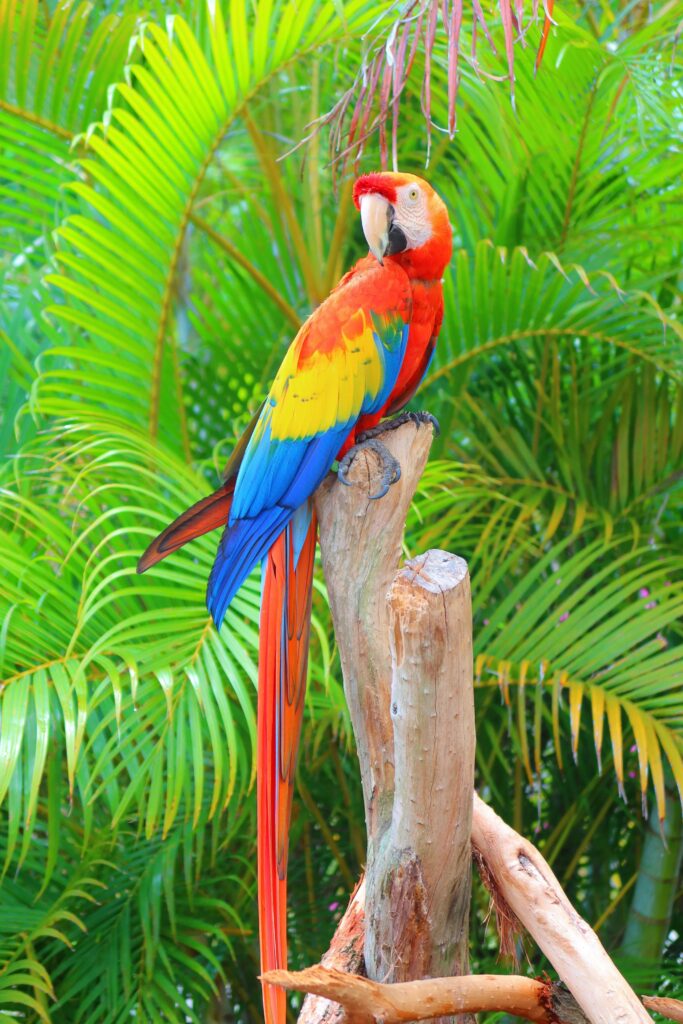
pixel 279 474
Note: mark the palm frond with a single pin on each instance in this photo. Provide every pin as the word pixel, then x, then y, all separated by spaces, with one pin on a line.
pixel 158 916
pixel 148 161
pixel 569 616
pixel 54 79
pixel 527 345
pixel 584 167
pixel 121 900
pixel 147 704
pixel 499 299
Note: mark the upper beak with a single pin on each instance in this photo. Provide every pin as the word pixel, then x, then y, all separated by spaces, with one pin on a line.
pixel 375 216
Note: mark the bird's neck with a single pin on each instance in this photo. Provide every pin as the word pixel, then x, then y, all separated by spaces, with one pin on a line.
pixel 429 261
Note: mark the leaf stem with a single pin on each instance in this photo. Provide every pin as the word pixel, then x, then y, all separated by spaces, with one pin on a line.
pixel 286 207
pixel 335 850
pixel 558 332
pixel 577 165
pixel 40 122
pixel 339 237
pixel 260 279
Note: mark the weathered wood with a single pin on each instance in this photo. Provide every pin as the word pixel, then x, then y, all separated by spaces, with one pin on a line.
pixel 367 1002
pixel 360 543
pixel 671 1008
pixel 405 644
pixel 537 899
pixel 421 876
pixel 344 954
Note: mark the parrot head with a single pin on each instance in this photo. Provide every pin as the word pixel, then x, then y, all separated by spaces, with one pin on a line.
pixel 404 219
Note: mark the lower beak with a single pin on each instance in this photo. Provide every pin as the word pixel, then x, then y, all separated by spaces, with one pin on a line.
pixel 375 216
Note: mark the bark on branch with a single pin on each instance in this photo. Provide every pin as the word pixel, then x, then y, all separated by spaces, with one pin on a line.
pixel 671 1008
pixel 369 1001
pixel 535 896
pixel 345 954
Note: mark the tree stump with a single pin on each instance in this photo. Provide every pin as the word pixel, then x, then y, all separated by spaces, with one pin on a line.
pixel 404 638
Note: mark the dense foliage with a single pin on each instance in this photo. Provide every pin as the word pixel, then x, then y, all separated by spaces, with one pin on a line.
pixel 156 260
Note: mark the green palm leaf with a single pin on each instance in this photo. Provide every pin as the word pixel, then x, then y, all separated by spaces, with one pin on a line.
pixel 148 705
pixel 122 259
pixel 499 299
pixel 54 79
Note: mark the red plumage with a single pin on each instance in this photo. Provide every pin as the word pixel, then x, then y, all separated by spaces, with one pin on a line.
pixel 283 659
pixel 374 184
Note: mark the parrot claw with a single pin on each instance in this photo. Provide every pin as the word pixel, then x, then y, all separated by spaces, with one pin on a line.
pixel 391 469
pixel 405 417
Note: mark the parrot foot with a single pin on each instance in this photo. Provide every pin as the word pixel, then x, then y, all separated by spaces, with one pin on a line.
pixel 391 469
pixel 405 417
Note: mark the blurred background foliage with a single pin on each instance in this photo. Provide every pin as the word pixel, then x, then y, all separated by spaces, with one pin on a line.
pixel 156 259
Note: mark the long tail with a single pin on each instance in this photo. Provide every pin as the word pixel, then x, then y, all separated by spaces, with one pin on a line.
pixel 283 657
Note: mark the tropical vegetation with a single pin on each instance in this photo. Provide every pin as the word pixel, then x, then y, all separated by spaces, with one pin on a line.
pixel 157 254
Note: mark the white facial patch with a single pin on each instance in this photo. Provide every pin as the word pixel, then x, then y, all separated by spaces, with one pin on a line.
pixel 412 215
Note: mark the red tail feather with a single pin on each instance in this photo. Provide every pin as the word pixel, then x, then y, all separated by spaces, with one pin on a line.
pixel 206 515
pixel 283 655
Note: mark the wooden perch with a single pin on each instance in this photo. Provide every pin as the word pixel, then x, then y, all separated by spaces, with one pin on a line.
pixel 432 710
pixel 361 543
pixel 536 910
pixel 411 705
pixel 404 639
pixel 369 1001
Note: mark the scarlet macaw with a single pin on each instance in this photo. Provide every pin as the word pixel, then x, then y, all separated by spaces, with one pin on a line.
pixel 358 358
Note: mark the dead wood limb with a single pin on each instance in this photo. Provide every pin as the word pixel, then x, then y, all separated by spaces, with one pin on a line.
pixel 671 1008
pixel 535 896
pixel 428 846
pixel 404 638
pixel 345 954
pixel 368 1001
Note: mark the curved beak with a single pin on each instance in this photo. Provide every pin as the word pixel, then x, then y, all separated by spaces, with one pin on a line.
pixel 375 216
pixel 384 236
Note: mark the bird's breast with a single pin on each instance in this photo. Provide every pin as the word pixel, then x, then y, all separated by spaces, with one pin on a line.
pixel 425 322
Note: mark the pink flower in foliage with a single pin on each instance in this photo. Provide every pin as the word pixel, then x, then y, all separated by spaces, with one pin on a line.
pixel 333 906
pixel 563 617
pixel 643 592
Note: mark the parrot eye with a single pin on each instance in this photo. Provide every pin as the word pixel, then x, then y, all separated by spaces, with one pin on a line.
pixel 413 194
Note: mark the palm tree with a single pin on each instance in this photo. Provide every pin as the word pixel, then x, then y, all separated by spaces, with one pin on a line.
pixel 158 259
